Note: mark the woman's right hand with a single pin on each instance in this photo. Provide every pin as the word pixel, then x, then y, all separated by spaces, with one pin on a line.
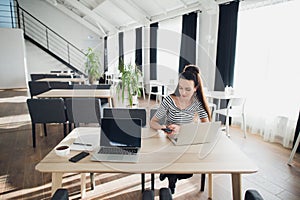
pixel 174 127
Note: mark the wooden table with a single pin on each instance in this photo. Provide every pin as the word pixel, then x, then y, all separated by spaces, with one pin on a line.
pixel 67 93
pixel 157 155
pixel 72 80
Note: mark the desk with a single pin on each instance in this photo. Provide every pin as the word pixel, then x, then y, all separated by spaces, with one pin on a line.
pixel 73 80
pixel 67 93
pixel 157 155
pixel 219 95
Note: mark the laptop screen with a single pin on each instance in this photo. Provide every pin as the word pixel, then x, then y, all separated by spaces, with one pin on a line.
pixel 120 132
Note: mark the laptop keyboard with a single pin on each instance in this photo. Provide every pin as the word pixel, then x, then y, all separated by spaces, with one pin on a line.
pixel 121 151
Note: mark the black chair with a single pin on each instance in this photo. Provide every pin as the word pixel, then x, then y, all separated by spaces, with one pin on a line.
pixel 162 121
pixel 60 194
pixel 164 194
pixel 46 111
pixel 38 87
pixel 35 77
pixel 55 71
pixel 253 195
pixel 51 76
pixel 139 113
pixel 83 110
pixel 59 85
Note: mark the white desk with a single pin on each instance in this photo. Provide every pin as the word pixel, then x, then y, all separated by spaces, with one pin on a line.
pixel 158 155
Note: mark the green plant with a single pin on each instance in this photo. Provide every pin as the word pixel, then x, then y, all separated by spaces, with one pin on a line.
pixel 130 81
pixel 92 65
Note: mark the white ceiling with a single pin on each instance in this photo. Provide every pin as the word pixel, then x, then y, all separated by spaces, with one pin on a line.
pixel 106 17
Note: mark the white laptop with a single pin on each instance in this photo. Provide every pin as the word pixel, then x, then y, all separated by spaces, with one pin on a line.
pixel 196 133
pixel 120 140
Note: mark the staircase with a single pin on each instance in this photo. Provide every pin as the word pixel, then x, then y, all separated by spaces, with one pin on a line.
pixel 35 31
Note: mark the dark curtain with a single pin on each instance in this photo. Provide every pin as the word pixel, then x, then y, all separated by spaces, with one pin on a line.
pixel 105 54
pixel 121 49
pixel 297 133
pixel 188 40
pixel 228 16
pixel 153 51
pixel 138 48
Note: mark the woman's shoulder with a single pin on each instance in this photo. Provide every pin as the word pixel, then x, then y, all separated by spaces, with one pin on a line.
pixel 170 99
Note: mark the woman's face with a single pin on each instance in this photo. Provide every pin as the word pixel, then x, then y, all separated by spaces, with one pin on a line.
pixel 186 88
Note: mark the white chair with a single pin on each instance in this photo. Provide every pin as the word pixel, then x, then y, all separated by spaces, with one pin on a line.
pixel 235 108
pixel 162 90
pixel 141 82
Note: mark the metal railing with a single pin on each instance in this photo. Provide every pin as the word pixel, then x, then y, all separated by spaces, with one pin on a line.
pixel 14 16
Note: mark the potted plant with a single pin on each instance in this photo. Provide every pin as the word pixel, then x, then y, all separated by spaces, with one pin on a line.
pixel 92 66
pixel 130 83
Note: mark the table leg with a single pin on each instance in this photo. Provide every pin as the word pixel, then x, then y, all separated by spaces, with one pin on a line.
pixel 111 102
pixel 210 186
pixel 236 186
pixel 83 184
pixel 219 105
pixel 294 150
pixel 56 181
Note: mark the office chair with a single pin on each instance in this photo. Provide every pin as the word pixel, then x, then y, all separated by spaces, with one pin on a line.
pixel 38 87
pixel 158 89
pixel 83 110
pixel 35 77
pixel 139 113
pixel 60 194
pixel 46 111
pixel 164 194
pixel 252 195
pixel 235 108
pixel 59 85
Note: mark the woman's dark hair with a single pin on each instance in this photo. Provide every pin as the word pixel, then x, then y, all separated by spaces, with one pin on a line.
pixel 192 72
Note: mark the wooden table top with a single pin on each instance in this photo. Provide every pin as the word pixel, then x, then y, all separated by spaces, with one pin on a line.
pixel 157 155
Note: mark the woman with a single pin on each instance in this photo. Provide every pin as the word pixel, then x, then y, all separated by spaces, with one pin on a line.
pixel 183 106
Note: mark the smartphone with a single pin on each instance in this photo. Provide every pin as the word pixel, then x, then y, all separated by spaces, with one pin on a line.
pixel 167 130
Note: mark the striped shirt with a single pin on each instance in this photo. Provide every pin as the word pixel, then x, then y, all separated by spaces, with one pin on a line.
pixel 175 115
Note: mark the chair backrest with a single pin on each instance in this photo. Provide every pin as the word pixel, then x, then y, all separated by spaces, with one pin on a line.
pixel 83 110
pixel 139 113
pixel 60 85
pixel 38 87
pixel 47 110
pixel 35 77
pixel 236 103
pixel 152 113
pixel 51 76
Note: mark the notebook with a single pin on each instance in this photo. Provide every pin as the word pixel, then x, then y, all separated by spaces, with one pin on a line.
pixel 120 140
pixel 196 133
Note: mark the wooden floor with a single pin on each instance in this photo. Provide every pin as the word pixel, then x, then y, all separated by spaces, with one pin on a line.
pixel 19 179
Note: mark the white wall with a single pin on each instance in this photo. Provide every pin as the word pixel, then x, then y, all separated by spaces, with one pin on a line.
pixel 71 30
pixel 12 59
pixel 207 46
pixel 168 50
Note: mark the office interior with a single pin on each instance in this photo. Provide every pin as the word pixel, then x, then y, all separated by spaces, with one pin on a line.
pixel 234 43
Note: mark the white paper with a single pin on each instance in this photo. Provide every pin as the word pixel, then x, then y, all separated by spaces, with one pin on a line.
pixel 90 139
